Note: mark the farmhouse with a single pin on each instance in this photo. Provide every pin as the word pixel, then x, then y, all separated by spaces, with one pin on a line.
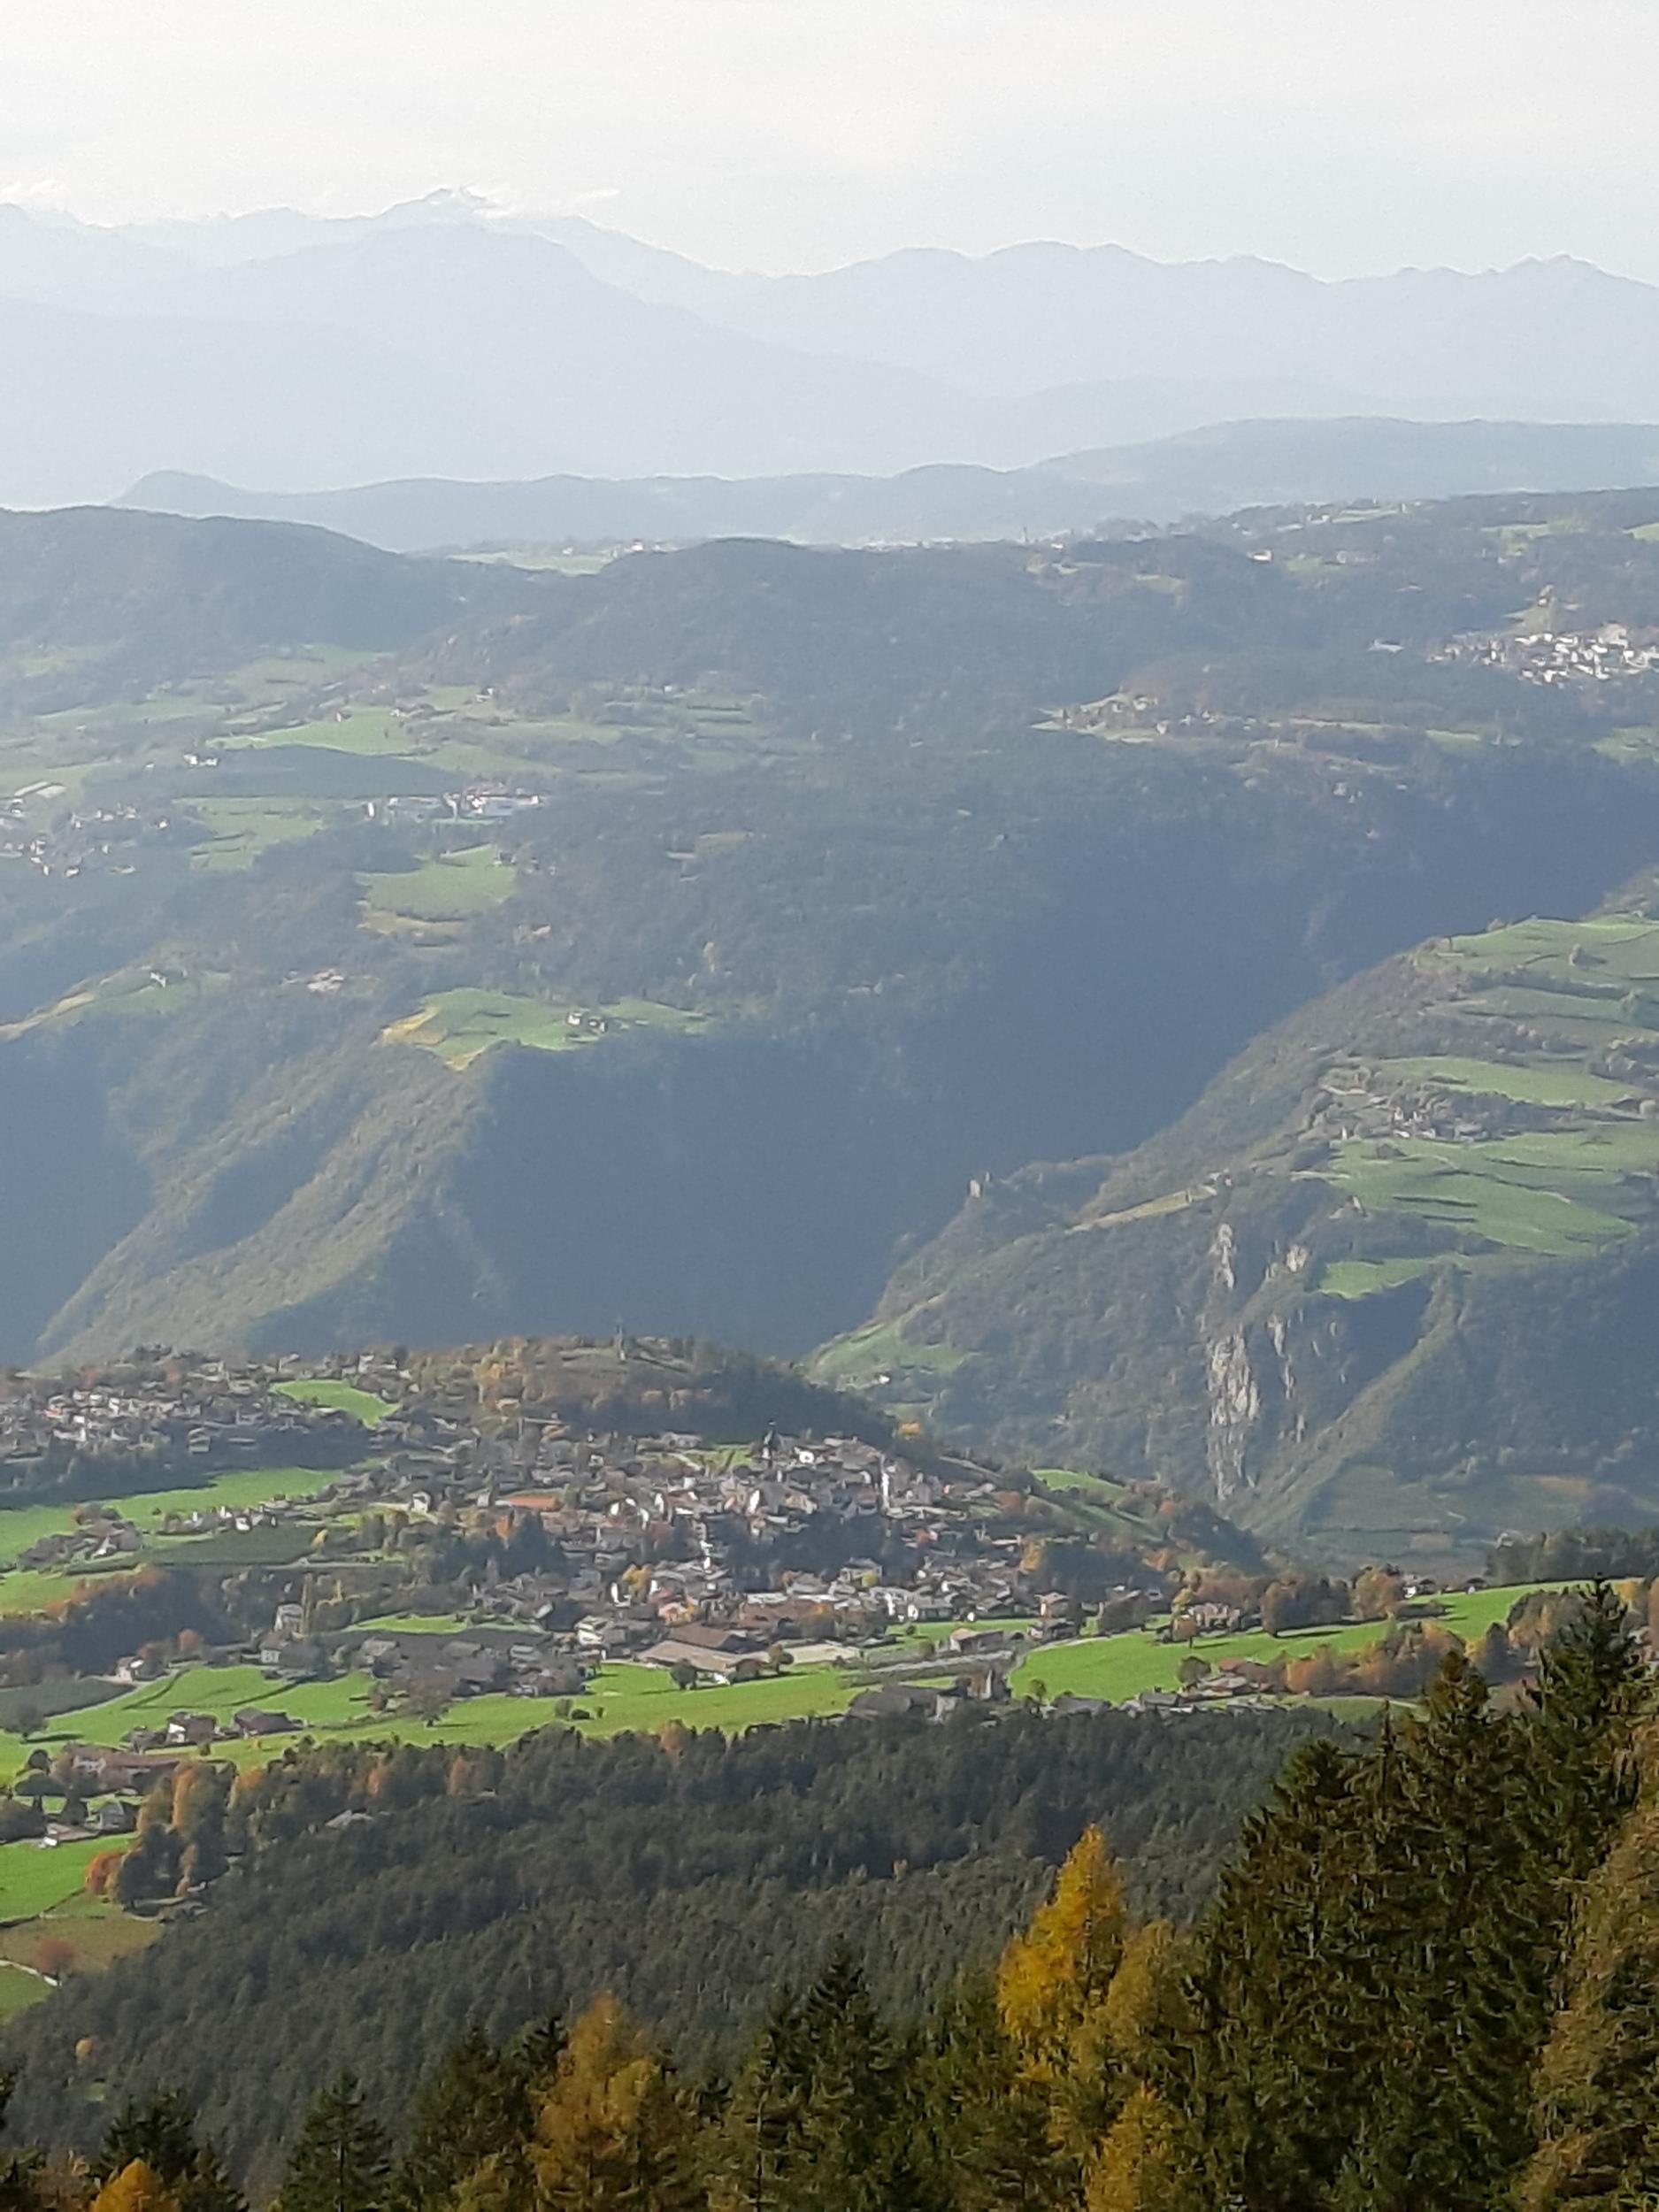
pixel 252 1721
pixel 710 1666
pixel 194 1729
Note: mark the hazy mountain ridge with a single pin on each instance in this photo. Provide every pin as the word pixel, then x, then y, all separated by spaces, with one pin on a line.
pixel 599 355
pixel 1209 470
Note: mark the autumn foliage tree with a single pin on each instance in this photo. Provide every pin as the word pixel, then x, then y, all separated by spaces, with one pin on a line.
pixel 610 2129
pixel 136 2188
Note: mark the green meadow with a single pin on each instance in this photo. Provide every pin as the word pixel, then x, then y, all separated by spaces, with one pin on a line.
pixel 337 1396
pixel 460 1024
pixel 1604 949
pixel 452 888
pixel 239 829
pixel 128 991
pixel 1535 1199
pixel 365 731
pixel 24 1590
pixel 1532 1085
pixel 623 1695
pixel 1118 1667
pixel 1360 1279
pixel 37 1878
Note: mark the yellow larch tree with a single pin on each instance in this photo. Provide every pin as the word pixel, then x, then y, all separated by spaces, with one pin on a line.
pixel 1052 1985
pixel 136 2188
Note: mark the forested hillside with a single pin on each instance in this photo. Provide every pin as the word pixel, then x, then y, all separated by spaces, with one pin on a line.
pixel 691 1876
pixel 1422 1979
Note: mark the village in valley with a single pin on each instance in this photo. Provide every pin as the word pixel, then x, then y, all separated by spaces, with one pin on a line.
pixel 211 1562
pixel 346 1525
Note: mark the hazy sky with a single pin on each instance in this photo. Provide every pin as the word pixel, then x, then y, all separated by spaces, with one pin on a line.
pixel 1343 136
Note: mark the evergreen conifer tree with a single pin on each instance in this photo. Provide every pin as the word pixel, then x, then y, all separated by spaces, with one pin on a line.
pixel 1268 2077
pixel 760 2131
pixel 1593 1689
pixel 340 2161
pixel 474 2107
pixel 160 2134
pixel 849 2156
pixel 159 2131
pixel 1449 1964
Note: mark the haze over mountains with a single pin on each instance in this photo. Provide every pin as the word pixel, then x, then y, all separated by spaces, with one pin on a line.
pixel 1207 471
pixel 298 354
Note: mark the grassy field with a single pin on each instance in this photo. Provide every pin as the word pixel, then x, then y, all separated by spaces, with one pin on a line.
pixel 452 888
pixel 22 1525
pixel 1360 1279
pixel 241 1490
pixel 239 829
pixel 337 1396
pixel 1117 1667
pixel 32 1589
pixel 620 1697
pixel 1606 947
pixel 36 1879
pixel 625 1697
pixel 1533 1086
pixel 129 991
pixel 414 1625
pixel 1583 1180
pixel 1490 1191
pixel 19 1991
pixel 882 1348
pixel 1105 1504
pixel 24 1590
pixel 458 1026
pixel 366 731
pixel 1101 1489
pixel 99 1932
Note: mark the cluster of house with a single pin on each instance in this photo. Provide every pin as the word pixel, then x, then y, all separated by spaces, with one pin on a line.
pixel 493 802
pixel 98 837
pixel 656 1550
pixel 1559 656
pixel 103 1538
pixel 482 1661
pixel 638 1537
pixel 209 1410
pixel 1352 1103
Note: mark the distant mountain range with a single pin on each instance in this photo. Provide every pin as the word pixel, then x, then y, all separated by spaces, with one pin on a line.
pixel 1213 471
pixel 439 339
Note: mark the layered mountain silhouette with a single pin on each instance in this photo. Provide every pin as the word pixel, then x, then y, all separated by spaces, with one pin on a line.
pixel 440 339
pixel 1212 471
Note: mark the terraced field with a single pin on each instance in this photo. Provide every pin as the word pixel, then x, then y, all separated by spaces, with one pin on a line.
pixel 1553 1146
